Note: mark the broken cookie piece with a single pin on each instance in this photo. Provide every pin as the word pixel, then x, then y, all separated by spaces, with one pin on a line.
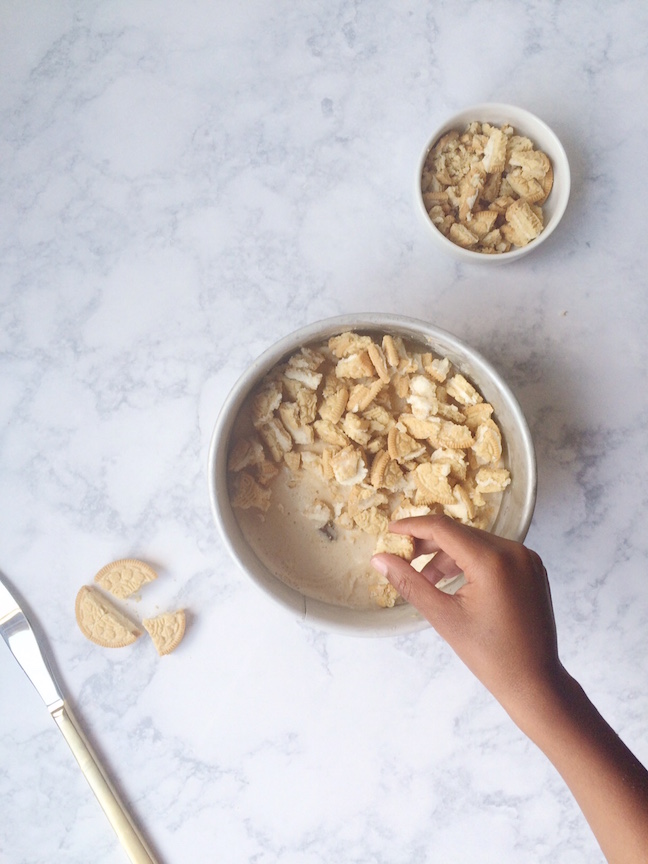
pixel 166 630
pixel 349 466
pixel 432 484
pixel 526 223
pixel 102 622
pixel 383 592
pixel 248 493
pixel 491 480
pixel 124 577
pixel 396 544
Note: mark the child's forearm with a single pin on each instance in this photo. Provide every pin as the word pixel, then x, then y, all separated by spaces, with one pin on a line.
pixel 501 624
pixel 609 784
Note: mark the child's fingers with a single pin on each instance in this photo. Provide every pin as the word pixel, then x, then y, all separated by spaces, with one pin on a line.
pixel 413 587
pixel 464 545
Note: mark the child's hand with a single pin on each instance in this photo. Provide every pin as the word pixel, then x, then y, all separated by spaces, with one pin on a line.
pixel 501 622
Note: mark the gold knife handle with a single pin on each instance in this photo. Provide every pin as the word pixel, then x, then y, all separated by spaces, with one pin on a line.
pixel 129 836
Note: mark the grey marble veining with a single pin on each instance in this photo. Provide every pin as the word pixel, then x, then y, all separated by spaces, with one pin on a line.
pixel 180 185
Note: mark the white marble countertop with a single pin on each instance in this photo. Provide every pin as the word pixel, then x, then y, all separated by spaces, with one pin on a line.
pixel 180 185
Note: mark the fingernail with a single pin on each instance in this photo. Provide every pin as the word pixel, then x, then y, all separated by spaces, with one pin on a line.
pixel 380 565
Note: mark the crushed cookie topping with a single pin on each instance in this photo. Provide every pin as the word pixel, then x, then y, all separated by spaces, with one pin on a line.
pixel 484 189
pixel 390 431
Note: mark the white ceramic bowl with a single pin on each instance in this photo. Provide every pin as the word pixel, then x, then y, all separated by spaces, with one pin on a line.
pixel 517 504
pixel 543 138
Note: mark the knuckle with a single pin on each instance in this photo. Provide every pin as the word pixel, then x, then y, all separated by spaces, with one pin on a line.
pixel 510 557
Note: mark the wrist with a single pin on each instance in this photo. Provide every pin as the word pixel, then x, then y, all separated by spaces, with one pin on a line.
pixel 545 702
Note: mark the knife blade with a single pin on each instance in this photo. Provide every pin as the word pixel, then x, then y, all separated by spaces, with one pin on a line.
pixel 21 640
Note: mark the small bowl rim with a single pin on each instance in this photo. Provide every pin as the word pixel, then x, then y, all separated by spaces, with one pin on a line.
pixel 560 163
pixel 400 620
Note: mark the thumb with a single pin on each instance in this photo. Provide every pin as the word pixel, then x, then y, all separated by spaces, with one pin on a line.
pixel 413 586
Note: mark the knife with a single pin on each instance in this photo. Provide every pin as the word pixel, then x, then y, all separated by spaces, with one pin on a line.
pixel 19 636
